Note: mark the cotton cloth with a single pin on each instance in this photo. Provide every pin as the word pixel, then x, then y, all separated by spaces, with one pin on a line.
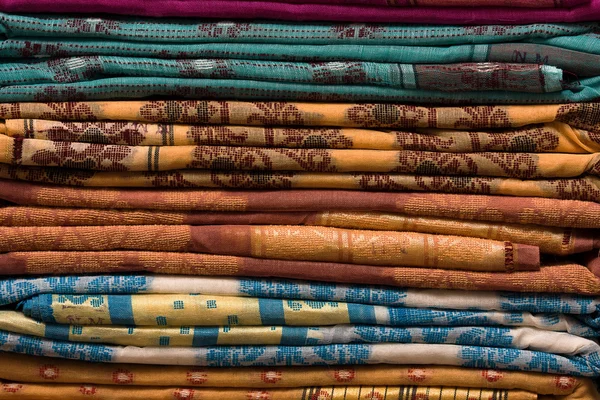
pixel 548 212
pixel 266 10
pixel 119 158
pixel 341 354
pixel 385 248
pixel 553 137
pixel 44 370
pixel 549 240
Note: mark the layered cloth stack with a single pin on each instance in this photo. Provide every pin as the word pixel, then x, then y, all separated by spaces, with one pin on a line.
pixel 314 201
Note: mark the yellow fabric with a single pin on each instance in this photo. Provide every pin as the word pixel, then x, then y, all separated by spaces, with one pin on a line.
pixel 23 368
pixel 30 391
pixel 45 153
pixel 555 137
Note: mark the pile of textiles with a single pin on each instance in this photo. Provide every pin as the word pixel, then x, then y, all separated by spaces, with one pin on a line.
pixel 263 209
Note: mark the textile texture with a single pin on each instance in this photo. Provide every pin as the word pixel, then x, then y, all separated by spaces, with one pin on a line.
pixel 41 370
pixel 549 240
pixel 262 10
pixel 285 243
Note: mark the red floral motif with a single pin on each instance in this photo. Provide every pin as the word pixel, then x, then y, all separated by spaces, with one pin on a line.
pixel 314 160
pixel 50 372
pixel 68 112
pixel 88 390
pixel 374 396
pixel 30 50
pixel 271 376
pixel 418 374
pixel 52 175
pixel 11 387
pixel 91 25
pixel 314 138
pixel 87 68
pixel 89 156
pixel 333 73
pixel 479 117
pixel 344 374
pixel 565 382
pixel 492 375
pixel 122 377
pixel 252 180
pixel 206 69
pixel 258 395
pixel 581 115
pixel 390 116
pixel 321 395
pixel 184 394
pixel 436 163
pixel 515 165
pixel 276 113
pixel 231 158
pixel 197 376
pixel 125 133
pixel 425 142
pixel 216 135
pixel 190 112
pixel 492 30
pixel 359 31
pixel 228 30
pixel 57 93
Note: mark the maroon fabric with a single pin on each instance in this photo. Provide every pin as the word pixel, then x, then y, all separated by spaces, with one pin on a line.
pixel 235 9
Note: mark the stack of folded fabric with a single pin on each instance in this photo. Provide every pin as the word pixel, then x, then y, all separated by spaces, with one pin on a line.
pixel 238 226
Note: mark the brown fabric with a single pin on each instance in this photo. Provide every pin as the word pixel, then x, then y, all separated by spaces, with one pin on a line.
pixel 120 158
pixel 284 243
pixel 553 137
pixel 551 278
pixel 550 240
pixel 586 188
pixel 521 210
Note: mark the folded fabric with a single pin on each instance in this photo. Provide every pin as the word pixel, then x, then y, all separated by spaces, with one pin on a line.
pixel 559 241
pixel 188 31
pixel 339 354
pixel 24 368
pixel 585 188
pixel 521 210
pixel 105 157
pixel 225 311
pixel 562 277
pixel 448 3
pixel 61 391
pixel 391 3
pixel 384 115
pixel 285 243
pixel 271 10
pixel 528 78
pixel 584 307
pixel 588 89
pixel 197 336
pixel 552 137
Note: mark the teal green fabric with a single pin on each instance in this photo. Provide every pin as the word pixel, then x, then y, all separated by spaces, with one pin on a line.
pixel 451 77
pixel 198 31
pixel 128 88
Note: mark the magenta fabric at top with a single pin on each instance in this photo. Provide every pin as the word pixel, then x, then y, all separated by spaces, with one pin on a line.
pixel 235 9
pixel 448 3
